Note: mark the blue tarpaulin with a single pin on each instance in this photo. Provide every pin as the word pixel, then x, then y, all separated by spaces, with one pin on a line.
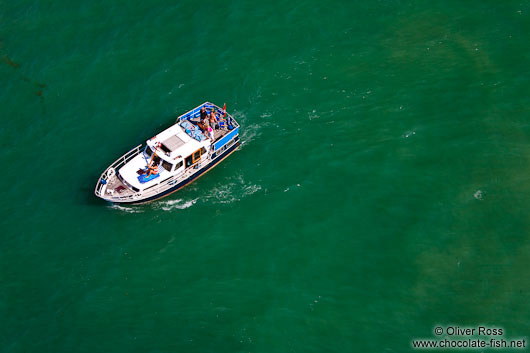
pixel 142 178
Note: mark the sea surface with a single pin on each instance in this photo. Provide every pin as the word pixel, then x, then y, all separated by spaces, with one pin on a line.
pixel 382 186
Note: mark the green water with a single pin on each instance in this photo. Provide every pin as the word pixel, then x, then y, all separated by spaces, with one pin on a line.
pixel 382 187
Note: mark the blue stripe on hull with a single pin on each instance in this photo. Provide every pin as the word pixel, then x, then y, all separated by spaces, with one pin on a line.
pixel 184 182
pixel 227 138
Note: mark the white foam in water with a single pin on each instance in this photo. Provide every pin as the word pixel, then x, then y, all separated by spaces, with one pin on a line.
pixel 478 195
pixel 409 133
pixel 231 191
pixel 223 194
pixel 250 133
pixel 251 189
pixel 177 204
pixel 313 115
pixel 129 209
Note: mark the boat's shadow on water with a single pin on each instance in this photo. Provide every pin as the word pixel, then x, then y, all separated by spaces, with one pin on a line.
pixel 87 187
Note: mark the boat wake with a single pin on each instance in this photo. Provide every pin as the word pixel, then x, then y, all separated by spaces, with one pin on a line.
pixel 127 209
pixel 230 192
pixel 233 191
pixel 249 134
pixel 178 204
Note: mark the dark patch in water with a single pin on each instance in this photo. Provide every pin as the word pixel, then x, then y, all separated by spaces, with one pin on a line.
pixel 10 62
pixel 38 93
pixel 43 106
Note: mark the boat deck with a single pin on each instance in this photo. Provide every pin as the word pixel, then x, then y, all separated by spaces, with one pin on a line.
pixel 115 187
pixel 217 134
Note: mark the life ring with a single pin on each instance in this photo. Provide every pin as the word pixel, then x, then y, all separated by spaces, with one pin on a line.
pixel 110 173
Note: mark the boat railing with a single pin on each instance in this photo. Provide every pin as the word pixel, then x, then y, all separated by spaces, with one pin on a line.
pixel 115 166
pixel 160 187
pixel 196 112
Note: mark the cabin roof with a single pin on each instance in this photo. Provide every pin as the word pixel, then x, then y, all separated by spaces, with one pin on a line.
pixel 172 143
pixel 175 144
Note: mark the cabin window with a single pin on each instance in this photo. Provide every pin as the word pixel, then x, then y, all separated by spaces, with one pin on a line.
pixel 203 150
pixel 149 151
pixel 167 166
pixel 178 165
pixel 188 161
pixel 196 156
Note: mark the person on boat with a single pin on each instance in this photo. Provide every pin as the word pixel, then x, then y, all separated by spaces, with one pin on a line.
pixel 213 121
pixel 203 125
pixel 152 170
pixel 203 114
pixel 210 133
pixel 203 121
